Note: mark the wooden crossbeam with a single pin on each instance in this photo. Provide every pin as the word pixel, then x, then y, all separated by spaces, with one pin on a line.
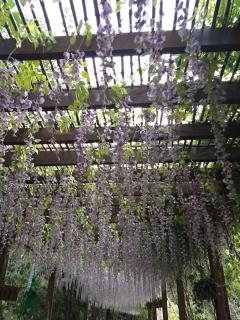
pixel 182 132
pixel 138 96
pixel 69 157
pixel 41 179
pixel 211 40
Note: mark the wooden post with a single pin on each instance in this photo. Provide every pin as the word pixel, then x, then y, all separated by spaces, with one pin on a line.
pixel 181 299
pixel 50 293
pixel 164 300
pixel 93 312
pixel 154 313
pixel 85 312
pixel 3 264
pixel 149 312
pixel 9 293
pixel 108 314
pixel 67 307
pixel 3 268
pixel 220 295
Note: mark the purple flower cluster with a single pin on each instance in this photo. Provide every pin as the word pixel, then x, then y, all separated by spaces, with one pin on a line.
pixel 105 38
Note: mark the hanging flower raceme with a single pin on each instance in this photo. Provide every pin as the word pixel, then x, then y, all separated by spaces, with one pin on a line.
pixel 105 38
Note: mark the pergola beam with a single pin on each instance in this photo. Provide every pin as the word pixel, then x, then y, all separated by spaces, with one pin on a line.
pixel 211 40
pixel 99 99
pixel 69 157
pixel 181 132
pixel 138 95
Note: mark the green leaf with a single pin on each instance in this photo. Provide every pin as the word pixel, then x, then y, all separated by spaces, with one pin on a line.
pixel 17 17
pixel 88 33
pixel 73 39
pixel 11 4
pixel 73 107
pixel 79 27
pixel 138 154
pixel 119 5
pixel 23 2
pixel 31 25
pixel 179 220
pixel 85 75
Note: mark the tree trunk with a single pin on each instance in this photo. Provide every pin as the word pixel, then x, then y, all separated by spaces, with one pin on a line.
pixel 181 299
pixel 164 300
pixel 220 295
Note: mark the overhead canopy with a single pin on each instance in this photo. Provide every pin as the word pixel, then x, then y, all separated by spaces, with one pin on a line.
pixel 123 106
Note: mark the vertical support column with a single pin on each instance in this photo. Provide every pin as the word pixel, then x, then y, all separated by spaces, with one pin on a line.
pixel 181 299
pixel 108 314
pixel 149 312
pixel 50 293
pixel 67 304
pixel 93 312
pixel 3 264
pixel 164 300
pixel 154 313
pixel 84 310
pixel 220 295
pixel 3 268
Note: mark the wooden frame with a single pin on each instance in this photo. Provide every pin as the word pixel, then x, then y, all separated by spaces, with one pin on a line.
pixel 69 157
pixel 211 40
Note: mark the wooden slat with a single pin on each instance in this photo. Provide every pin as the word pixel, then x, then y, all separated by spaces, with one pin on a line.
pixel 211 40
pixel 69 157
pixel 138 95
pixel 182 132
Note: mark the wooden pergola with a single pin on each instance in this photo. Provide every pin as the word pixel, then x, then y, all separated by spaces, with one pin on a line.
pixel 195 136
